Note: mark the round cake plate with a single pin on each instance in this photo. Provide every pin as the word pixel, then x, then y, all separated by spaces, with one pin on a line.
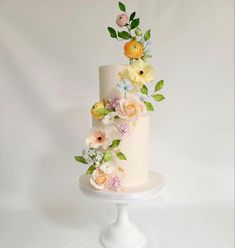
pixel 123 233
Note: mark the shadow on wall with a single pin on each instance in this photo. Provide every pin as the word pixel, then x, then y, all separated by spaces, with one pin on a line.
pixel 56 191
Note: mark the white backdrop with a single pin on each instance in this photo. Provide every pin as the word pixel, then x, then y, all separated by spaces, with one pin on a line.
pixel 49 57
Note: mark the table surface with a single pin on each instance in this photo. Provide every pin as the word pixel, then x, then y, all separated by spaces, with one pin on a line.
pixel 146 191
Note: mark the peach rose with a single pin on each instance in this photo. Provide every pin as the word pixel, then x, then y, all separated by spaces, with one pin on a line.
pixel 129 108
pixel 98 179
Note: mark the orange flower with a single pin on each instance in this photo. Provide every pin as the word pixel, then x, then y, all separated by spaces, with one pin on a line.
pixel 133 49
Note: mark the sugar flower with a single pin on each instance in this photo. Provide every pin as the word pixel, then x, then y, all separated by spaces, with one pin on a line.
pixel 109 118
pixel 99 137
pixel 122 20
pixel 138 73
pixel 129 108
pixel 98 179
pixel 107 168
pixel 133 49
pixel 125 129
pixel 115 182
pixel 124 86
pixel 113 102
pixel 95 113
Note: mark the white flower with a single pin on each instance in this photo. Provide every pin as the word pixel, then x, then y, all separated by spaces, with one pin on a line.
pixel 125 86
pixel 107 168
pixel 109 118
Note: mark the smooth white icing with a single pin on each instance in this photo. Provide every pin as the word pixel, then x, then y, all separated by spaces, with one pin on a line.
pixel 135 146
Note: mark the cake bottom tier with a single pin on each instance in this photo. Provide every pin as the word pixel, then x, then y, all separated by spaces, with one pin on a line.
pixel 136 148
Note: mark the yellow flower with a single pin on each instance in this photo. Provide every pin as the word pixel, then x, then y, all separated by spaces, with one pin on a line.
pixel 138 73
pixel 133 49
pixel 95 113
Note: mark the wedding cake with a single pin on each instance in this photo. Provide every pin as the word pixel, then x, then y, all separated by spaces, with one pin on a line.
pixel 118 143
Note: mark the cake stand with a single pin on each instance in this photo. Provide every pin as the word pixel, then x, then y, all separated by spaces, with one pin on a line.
pixel 123 233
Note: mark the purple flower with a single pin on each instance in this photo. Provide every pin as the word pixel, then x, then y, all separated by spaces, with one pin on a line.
pixel 113 102
pixel 125 129
pixel 115 182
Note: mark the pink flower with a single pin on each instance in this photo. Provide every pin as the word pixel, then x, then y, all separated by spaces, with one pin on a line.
pixel 99 138
pixel 115 182
pixel 125 129
pixel 113 102
pixel 122 20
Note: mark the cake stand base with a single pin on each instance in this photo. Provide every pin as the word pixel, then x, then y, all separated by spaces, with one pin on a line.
pixel 122 233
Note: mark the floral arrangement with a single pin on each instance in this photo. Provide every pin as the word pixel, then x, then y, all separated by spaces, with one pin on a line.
pixel 118 115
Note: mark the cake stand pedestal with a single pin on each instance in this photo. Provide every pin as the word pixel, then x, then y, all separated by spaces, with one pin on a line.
pixel 123 233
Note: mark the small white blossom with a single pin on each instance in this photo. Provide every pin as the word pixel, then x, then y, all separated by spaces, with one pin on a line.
pixel 109 118
pixel 107 168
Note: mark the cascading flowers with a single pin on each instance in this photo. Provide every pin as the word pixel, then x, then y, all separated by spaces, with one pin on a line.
pixel 118 114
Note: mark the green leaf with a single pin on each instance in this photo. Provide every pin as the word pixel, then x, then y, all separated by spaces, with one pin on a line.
pixel 104 111
pixel 81 159
pixel 144 90
pixel 159 85
pixel 107 156
pixel 124 35
pixel 121 156
pixel 115 143
pixel 149 106
pixel 132 16
pixel 90 170
pixel 147 35
pixel 112 32
pixel 122 7
pixel 135 23
pixel 158 97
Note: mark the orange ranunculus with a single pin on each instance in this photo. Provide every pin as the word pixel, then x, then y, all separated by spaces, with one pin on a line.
pixel 133 49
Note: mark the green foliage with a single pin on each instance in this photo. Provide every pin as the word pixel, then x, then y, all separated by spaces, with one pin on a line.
pixel 147 35
pixel 115 144
pixel 132 16
pixel 112 32
pixel 81 159
pixel 149 106
pixel 121 156
pixel 122 7
pixel 135 23
pixel 107 156
pixel 159 85
pixel 90 170
pixel 124 35
pixel 104 111
pixel 158 97
pixel 144 90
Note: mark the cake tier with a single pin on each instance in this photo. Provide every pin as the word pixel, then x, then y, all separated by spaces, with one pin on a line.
pixel 135 146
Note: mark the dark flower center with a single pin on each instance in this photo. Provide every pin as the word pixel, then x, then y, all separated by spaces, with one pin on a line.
pixel 141 72
pixel 99 138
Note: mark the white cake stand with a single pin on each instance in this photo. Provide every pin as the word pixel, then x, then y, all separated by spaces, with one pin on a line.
pixel 123 233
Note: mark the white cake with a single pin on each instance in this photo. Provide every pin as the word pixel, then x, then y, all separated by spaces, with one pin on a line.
pixel 134 146
pixel 117 146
